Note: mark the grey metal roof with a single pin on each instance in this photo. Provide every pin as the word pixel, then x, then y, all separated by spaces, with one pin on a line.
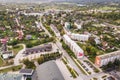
pixel 47 71
pixel 4 47
pixel 108 55
pixel 26 71
pixel 47 47
pixel 40 47
pixel 7 52
pixel 6 76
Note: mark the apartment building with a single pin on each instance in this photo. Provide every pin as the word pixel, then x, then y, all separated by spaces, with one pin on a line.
pixel 6 54
pixel 67 31
pixel 79 37
pixel 67 25
pixel 74 36
pixel 38 49
pixel 73 46
pixel 106 58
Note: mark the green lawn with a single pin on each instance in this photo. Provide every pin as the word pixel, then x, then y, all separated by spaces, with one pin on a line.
pixel 107 8
pixel 16 48
pixel 34 41
pixel 118 21
pixel 34 37
pixel 14 68
pixel 1 61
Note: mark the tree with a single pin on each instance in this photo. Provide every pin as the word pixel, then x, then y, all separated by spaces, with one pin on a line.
pixel 28 79
pixel 41 59
pixel 92 41
pixel 93 51
pixel 13 42
pixel 88 49
pixel 29 64
pixel 116 62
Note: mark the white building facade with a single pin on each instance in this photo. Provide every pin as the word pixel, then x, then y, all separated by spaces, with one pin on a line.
pixel 7 54
pixel 79 37
pixel 74 36
pixel 106 58
pixel 67 24
pixel 73 46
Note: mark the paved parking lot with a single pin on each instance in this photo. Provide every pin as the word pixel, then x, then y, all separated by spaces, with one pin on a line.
pixel 116 74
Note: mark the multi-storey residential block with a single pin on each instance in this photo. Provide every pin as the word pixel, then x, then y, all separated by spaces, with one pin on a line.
pixel 106 58
pixel 79 37
pixel 73 46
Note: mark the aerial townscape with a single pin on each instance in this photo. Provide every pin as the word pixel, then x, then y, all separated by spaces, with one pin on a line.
pixel 59 39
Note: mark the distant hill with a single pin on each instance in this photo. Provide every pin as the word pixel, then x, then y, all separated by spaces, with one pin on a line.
pixel 76 1
pixel 88 1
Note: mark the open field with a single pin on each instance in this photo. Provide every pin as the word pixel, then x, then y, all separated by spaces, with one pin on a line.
pixel 1 61
pixel 16 48
pixel 14 68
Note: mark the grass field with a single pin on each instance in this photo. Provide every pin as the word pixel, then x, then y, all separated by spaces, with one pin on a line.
pixel 14 68
pixel 118 21
pixel 1 61
pixel 16 49
pixel 107 8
